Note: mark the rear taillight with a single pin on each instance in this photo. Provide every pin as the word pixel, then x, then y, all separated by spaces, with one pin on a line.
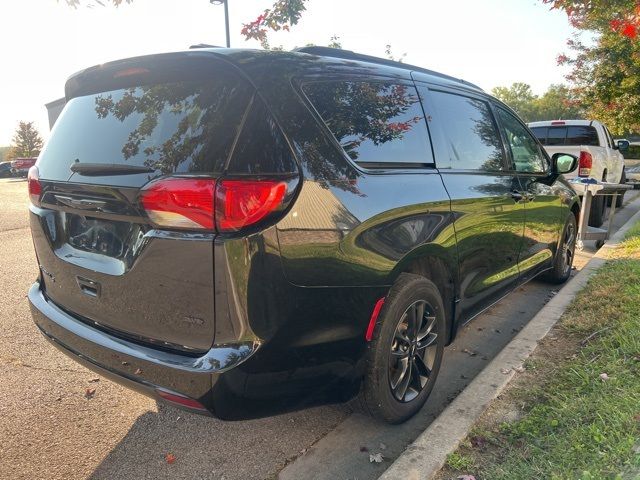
pixel 33 183
pixel 584 166
pixel 188 203
pixel 241 203
pixel 180 202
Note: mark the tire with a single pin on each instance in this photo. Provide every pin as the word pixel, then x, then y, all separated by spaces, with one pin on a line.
pixel 598 207
pixel 398 346
pixel 563 260
pixel 620 196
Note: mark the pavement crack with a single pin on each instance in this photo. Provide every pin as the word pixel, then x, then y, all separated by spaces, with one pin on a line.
pixel 16 362
pixel 13 229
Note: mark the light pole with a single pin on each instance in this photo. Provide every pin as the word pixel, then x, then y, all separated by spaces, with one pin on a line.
pixel 226 17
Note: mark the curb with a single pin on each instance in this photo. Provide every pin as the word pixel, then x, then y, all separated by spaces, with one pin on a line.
pixel 425 457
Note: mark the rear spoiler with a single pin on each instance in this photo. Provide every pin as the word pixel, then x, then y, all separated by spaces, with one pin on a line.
pixel 144 70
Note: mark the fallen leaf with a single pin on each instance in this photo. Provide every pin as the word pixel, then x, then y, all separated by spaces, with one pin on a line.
pixel 471 353
pixel 604 377
pixel 519 369
pixel 377 458
pixel 170 458
pixel 89 393
pixel 505 371
pixel 93 380
pixel 383 446
pixel 137 372
pixel 466 477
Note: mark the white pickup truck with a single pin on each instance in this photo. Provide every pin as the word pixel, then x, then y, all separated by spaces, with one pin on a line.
pixel 599 156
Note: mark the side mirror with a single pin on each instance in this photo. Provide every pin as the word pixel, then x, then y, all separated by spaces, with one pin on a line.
pixel 563 163
pixel 622 145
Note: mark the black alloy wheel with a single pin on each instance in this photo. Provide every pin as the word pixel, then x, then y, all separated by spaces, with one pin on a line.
pixel 404 357
pixel 413 351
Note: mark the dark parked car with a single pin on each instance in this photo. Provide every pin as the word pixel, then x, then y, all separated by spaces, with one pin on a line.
pixel 5 169
pixel 245 232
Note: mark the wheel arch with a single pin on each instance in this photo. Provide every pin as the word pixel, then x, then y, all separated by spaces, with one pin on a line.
pixel 438 265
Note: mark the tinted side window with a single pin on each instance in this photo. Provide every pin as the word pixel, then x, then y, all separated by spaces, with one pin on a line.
pixel 375 123
pixel 525 152
pixel 582 135
pixel 261 147
pixel 470 132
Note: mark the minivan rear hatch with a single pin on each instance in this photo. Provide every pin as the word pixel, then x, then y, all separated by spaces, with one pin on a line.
pixel 124 125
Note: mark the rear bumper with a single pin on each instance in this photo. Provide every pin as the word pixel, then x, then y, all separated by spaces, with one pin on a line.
pixel 144 369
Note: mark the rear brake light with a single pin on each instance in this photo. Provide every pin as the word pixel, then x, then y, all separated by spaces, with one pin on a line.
pixel 241 203
pixel 180 202
pixel 130 72
pixel 188 203
pixel 585 163
pixel 33 184
pixel 558 122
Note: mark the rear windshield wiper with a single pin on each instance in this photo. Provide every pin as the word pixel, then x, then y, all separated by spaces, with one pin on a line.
pixel 98 169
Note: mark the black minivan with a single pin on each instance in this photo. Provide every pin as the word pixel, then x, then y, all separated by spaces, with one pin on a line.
pixel 243 232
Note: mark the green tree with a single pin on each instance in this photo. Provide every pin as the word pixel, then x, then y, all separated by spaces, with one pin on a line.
pixel 3 153
pixel 605 72
pixel 26 141
pixel 281 16
pixel 558 102
pixel 519 97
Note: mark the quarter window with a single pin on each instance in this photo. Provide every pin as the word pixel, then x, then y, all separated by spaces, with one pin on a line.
pixel 377 124
pixel 525 152
pixel 470 133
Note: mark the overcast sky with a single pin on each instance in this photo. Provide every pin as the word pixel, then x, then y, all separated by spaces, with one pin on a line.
pixel 488 42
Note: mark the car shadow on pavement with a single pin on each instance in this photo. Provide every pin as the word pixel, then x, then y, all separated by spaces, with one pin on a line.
pixel 209 448
pixel 205 447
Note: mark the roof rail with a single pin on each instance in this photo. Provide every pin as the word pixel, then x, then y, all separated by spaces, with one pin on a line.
pixel 203 45
pixel 350 55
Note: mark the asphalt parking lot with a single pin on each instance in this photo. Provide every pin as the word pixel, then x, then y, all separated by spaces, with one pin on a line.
pixel 50 429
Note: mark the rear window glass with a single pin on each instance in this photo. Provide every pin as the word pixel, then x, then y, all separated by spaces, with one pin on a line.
pixel 556 135
pixel 181 126
pixel 261 148
pixel 567 135
pixel 541 134
pixel 581 135
pixel 375 123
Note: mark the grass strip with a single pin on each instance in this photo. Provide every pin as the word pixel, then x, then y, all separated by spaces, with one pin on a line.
pixel 574 413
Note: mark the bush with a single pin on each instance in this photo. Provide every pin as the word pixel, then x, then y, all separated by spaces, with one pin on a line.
pixel 633 152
